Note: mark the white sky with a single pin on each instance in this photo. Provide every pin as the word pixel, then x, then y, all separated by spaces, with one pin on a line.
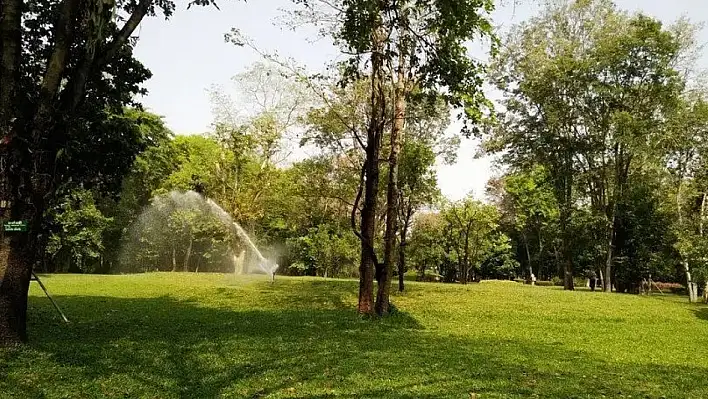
pixel 187 55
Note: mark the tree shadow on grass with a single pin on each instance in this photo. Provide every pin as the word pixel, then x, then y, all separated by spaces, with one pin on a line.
pixel 702 313
pixel 297 293
pixel 167 348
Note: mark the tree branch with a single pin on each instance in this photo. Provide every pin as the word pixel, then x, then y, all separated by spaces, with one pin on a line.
pixel 369 245
pixel 91 63
pixel 63 35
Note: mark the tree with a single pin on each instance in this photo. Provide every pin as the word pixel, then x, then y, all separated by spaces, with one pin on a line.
pixel 529 199
pixel 424 143
pixel 686 160
pixel 586 87
pixel 81 226
pixel 473 229
pixel 325 251
pixel 269 101
pixel 418 45
pixel 426 246
pixel 77 68
pixel 418 187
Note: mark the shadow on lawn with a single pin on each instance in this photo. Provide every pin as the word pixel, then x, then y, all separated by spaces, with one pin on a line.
pixel 167 348
pixel 702 313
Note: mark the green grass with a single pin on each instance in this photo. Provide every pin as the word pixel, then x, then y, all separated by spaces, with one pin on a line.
pixel 205 336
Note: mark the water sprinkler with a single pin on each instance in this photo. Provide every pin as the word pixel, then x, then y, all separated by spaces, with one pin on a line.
pixel 272 273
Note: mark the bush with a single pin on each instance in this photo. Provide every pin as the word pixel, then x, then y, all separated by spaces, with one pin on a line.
pixel 544 283
pixel 429 277
pixel 675 288
pixel 557 281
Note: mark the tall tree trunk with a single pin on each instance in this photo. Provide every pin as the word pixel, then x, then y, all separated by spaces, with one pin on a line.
pixel 15 250
pixel 690 285
pixel 611 237
pixel 371 174
pixel 564 195
pixel 541 258
pixel 392 196
pixel 557 257
pixel 368 230
pixel 607 287
pixel 703 214
pixel 602 278
pixel 531 279
pixel 188 254
pixel 466 257
pixel 402 249
pixel 16 254
pixel 10 48
pixel 174 257
pixel 401 267
pixel 566 251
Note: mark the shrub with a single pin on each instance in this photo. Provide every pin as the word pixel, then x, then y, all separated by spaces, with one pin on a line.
pixel 675 288
pixel 544 283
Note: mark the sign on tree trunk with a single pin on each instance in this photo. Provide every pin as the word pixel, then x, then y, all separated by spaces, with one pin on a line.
pixel 15 226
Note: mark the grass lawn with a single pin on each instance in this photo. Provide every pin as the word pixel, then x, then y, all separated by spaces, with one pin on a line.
pixel 205 336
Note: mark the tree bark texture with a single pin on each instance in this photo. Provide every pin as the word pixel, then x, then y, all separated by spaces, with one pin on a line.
pixel 392 195
pixel 402 249
pixel 374 134
pixel 15 269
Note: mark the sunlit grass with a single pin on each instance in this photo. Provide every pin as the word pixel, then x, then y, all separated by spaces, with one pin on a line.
pixel 204 336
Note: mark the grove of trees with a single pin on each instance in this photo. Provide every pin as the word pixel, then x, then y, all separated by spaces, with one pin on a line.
pixel 601 136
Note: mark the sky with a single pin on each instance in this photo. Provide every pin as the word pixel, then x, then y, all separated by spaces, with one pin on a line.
pixel 188 55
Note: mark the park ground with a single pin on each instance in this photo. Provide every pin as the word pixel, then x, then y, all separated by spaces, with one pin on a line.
pixel 208 335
